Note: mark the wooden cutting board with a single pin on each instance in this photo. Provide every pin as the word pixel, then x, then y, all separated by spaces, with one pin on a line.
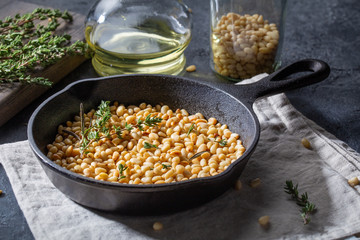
pixel 15 97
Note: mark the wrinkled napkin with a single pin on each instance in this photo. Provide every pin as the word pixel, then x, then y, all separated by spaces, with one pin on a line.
pixel 321 172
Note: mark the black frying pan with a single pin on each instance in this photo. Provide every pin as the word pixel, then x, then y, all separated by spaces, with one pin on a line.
pixel 228 103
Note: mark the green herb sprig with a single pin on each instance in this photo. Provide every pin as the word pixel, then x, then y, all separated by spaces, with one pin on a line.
pixel 165 166
pixel 27 46
pixel 222 142
pixel 303 200
pixel 149 145
pixel 121 169
pixel 191 128
pixel 99 125
pixel 100 128
pixel 149 121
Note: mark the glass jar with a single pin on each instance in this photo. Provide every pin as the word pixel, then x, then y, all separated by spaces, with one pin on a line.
pixel 246 37
pixel 138 36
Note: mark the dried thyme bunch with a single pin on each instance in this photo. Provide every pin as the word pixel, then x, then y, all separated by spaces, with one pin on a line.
pixel 27 46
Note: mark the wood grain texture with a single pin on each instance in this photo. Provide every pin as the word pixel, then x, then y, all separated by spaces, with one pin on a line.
pixel 14 97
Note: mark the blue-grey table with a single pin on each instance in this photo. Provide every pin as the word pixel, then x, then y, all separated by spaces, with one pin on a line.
pixel 324 29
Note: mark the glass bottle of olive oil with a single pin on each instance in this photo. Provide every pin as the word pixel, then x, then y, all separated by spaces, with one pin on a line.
pixel 135 37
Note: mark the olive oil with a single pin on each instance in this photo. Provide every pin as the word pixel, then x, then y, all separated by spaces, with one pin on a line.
pixel 152 46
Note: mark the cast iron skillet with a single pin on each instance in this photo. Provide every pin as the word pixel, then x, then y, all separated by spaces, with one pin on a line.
pixel 228 103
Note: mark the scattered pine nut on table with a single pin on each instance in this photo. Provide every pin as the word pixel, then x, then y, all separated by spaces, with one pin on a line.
pixel 238 185
pixel 264 221
pixel 157 226
pixel 305 142
pixel 255 183
pixel 191 68
pixel 354 181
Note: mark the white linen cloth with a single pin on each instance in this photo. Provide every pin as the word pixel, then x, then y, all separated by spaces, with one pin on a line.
pixel 321 172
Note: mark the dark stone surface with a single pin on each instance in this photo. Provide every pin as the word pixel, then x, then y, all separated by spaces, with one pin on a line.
pixel 12 222
pixel 325 29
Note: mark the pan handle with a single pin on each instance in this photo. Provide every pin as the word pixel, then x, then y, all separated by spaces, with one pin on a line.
pixel 299 74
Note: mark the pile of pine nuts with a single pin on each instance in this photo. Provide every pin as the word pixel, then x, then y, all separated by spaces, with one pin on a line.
pixel 244 46
pixel 167 162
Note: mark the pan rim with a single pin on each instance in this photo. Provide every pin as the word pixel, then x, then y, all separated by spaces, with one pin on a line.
pixel 136 187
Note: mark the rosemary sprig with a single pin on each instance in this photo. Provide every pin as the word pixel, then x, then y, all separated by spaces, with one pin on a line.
pixel 303 200
pixel 197 155
pixel 27 46
pixel 190 129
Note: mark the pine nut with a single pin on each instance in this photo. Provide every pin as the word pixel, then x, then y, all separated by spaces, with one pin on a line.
pixel 191 68
pixel 238 185
pixel 157 226
pixel 255 183
pixel 306 143
pixel 264 221
pixel 353 181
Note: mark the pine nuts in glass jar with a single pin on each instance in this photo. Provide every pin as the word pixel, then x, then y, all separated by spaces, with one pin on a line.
pixel 246 37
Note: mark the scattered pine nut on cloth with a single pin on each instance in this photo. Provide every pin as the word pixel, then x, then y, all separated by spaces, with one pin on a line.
pixel 322 171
